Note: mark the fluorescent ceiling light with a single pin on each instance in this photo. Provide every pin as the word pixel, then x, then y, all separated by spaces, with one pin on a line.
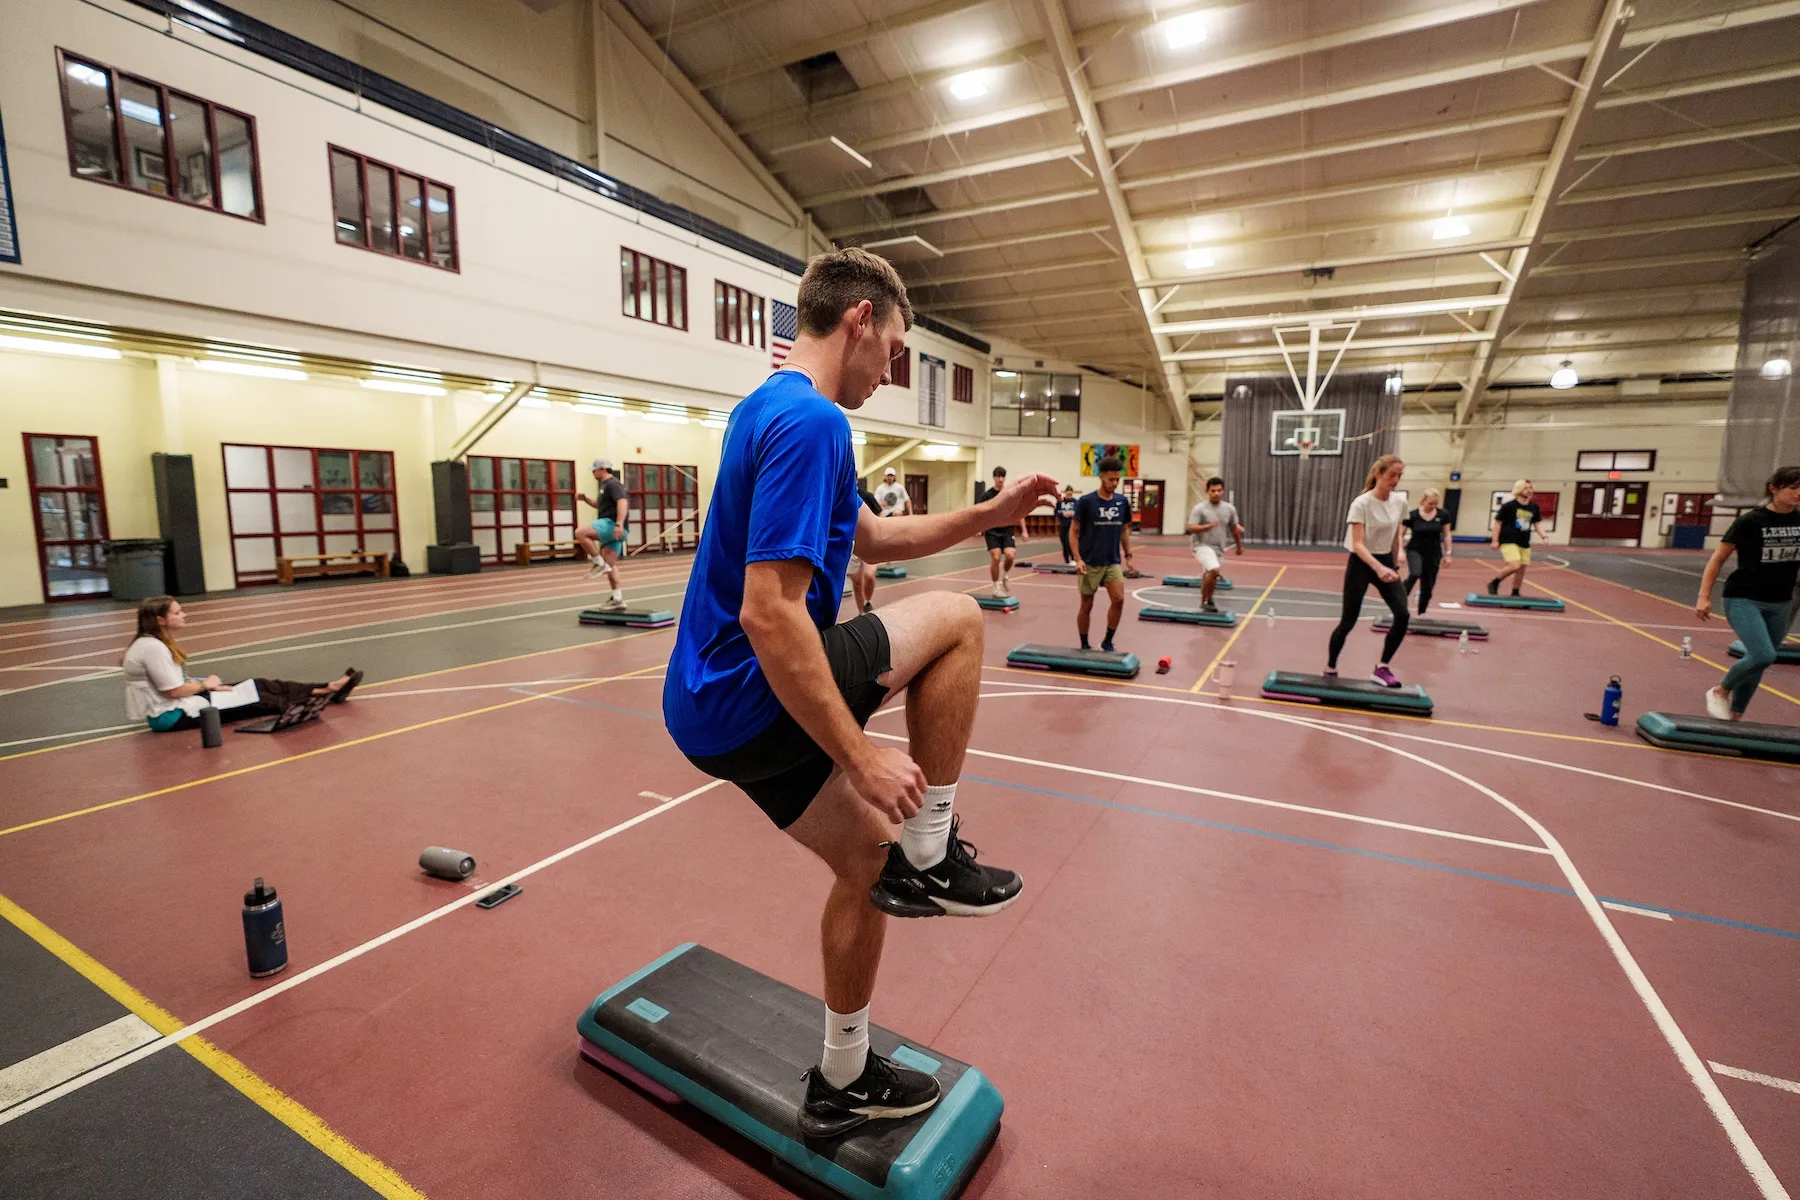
pixel 593 410
pixel 409 387
pixel 1006 374
pixel 1198 260
pixel 72 349
pixel 1189 29
pixel 534 402
pixel 969 85
pixel 857 439
pixel 946 445
pixel 500 385
pixel 713 423
pixel 1777 368
pixel 1564 377
pixel 665 418
pixel 1449 227
pixel 82 72
pixel 225 367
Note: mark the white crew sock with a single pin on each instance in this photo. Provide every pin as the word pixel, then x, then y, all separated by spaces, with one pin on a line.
pixel 846 1046
pixel 618 594
pixel 925 838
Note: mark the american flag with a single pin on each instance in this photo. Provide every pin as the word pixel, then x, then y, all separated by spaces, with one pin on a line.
pixel 783 328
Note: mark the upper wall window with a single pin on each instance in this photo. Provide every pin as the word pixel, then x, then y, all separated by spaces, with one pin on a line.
pixel 133 133
pixel 738 316
pixel 652 290
pixel 900 368
pixel 391 211
pixel 962 389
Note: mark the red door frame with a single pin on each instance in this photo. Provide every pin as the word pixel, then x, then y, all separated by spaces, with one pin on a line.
pixel 37 527
pixel 273 491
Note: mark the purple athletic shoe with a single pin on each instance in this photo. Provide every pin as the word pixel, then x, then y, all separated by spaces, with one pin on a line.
pixel 1385 677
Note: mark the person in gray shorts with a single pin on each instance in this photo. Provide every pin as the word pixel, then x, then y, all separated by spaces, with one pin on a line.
pixel 1212 528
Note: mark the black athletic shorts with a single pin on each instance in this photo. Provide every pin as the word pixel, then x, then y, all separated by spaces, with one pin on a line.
pixel 999 541
pixel 782 768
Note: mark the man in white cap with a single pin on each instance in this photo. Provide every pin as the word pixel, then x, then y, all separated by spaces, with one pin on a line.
pixel 604 540
pixel 892 497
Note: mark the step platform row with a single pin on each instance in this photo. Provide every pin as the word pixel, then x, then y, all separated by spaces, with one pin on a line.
pixel 1194 581
pixel 1111 664
pixel 889 572
pixel 997 603
pixel 695 1026
pixel 1429 627
pixel 1347 693
pixel 1186 616
pixel 633 618
pixel 1055 568
pixel 1739 739
pixel 1483 600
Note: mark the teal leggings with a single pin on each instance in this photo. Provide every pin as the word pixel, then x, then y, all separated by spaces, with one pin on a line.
pixel 1760 625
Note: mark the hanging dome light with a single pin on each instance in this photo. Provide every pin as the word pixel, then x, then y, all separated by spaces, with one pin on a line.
pixel 1565 377
pixel 1394 384
pixel 1777 368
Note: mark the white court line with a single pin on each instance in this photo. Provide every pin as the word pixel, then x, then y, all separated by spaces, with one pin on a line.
pixel 78 1055
pixel 479 687
pixel 1663 567
pixel 1257 800
pixel 74 733
pixel 375 943
pixel 1786 1085
pixel 1635 911
pixel 1749 1154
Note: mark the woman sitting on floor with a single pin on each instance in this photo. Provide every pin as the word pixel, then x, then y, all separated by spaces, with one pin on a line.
pixel 160 692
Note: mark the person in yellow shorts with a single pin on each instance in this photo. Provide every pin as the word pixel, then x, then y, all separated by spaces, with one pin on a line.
pixel 1102 536
pixel 1514 524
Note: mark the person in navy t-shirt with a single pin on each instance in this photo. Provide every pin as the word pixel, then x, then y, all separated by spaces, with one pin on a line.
pixel 1102 539
pixel 765 691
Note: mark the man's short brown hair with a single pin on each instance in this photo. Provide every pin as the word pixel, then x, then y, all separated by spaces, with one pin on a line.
pixel 840 278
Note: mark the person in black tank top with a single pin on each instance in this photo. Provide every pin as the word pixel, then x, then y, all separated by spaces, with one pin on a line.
pixel 1427 533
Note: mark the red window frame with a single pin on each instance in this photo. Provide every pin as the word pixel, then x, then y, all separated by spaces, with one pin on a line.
pixel 38 489
pixel 318 532
pixel 425 182
pixel 120 148
pixel 557 530
pixel 660 509
pixel 900 368
pixel 962 383
pixel 739 316
pixel 645 270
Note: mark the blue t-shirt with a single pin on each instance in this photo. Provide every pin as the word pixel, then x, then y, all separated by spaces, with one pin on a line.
pixel 1102 521
pixel 786 489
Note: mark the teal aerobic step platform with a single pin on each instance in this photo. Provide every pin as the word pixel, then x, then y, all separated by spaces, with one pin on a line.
pixel 1115 664
pixel 1742 739
pixel 997 603
pixel 635 619
pixel 1483 600
pixel 1055 568
pixel 1786 653
pixel 1194 581
pixel 1347 693
pixel 1428 627
pixel 695 1026
pixel 1186 616
pixel 890 572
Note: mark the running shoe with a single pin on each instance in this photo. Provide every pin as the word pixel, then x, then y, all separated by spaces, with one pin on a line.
pixel 1717 707
pixel 1494 586
pixel 352 677
pixel 1209 606
pixel 956 887
pixel 596 568
pixel 1385 677
pixel 615 604
pixel 868 608
pixel 999 589
pixel 1515 593
pixel 882 1092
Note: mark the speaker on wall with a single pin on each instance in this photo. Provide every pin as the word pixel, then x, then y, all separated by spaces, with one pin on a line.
pixel 178 522
pixel 450 493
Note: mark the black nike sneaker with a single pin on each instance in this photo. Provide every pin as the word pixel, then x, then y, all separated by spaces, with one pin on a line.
pixel 955 887
pixel 1494 587
pixel 1209 607
pixel 882 1092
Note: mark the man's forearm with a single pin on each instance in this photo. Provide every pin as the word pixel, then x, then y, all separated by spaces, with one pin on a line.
pixel 899 538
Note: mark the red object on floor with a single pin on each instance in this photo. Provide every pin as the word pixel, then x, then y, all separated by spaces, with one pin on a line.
pixel 1163 664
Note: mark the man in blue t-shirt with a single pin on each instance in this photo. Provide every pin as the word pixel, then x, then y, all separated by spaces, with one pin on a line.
pixel 1102 531
pixel 765 691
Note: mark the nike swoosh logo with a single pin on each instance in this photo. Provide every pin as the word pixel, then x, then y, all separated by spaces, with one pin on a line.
pixel 943 883
pixel 857 1095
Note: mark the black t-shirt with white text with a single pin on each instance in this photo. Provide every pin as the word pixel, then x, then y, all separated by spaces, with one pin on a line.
pixel 1516 521
pixel 1065 509
pixel 1768 555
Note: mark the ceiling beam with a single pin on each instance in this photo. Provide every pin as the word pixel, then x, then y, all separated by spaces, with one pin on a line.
pixel 1075 87
pixel 956 214
pixel 1710 316
pixel 1360 345
pixel 1025 239
pixel 1236 204
pixel 1368 225
pixel 964 303
pixel 890 22
pixel 1335 262
pixel 1315 316
pixel 1688 183
pixel 989 166
pixel 1330 291
pixel 1695 137
pixel 1630 295
pixel 1755 216
pixel 1652 262
pixel 1555 179
pixel 1072 264
pixel 1700 85
pixel 1711 23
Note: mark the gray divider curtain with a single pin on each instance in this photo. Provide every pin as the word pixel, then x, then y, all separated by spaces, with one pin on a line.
pixel 1762 417
pixel 1280 503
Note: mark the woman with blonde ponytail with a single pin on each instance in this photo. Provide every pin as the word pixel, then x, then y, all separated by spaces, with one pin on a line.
pixel 159 693
pixel 1372 535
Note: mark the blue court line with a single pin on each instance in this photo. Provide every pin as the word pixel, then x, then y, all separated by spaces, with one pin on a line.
pixel 1376 854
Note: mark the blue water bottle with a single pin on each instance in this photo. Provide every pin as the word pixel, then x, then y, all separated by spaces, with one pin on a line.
pixel 265 939
pixel 1609 702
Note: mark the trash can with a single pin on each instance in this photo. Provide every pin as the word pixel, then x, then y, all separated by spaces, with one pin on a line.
pixel 136 567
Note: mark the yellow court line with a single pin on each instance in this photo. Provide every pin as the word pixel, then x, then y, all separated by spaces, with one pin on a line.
pixel 373 737
pixel 383 1179
pixel 1236 633
pixel 1662 641
pixel 66 745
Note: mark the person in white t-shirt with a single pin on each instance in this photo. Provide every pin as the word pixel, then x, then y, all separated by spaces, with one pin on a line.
pixel 1372 535
pixel 159 693
pixel 891 497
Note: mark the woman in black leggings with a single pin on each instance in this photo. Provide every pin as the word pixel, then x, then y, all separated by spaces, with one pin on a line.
pixel 1373 539
pixel 1427 545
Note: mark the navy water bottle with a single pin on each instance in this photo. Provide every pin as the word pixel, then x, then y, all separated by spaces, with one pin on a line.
pixel 1609 702
pixel 265 939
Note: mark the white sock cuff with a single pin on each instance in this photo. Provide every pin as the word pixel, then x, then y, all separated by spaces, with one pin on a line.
pixel 845 1030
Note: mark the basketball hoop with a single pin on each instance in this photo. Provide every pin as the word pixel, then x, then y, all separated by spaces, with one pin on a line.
pixel 1305 447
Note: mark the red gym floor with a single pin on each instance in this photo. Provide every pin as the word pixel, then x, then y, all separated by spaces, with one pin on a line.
pixel 1266 950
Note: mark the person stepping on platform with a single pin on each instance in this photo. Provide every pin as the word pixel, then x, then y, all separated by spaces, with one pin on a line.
pixel 764 691
pixel 1513 525
pixel 1373 538
pixel 1102 532
pixel 604 540
pixel 1759 595
pixel 1212 527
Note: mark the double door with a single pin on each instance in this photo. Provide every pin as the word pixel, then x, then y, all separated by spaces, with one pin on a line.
pixel 1611 512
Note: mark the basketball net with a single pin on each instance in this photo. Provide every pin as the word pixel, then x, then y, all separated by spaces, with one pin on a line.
pixel 1305 446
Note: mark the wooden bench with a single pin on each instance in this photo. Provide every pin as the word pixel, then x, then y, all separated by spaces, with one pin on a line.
pixel 526 553
pixel 348 562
